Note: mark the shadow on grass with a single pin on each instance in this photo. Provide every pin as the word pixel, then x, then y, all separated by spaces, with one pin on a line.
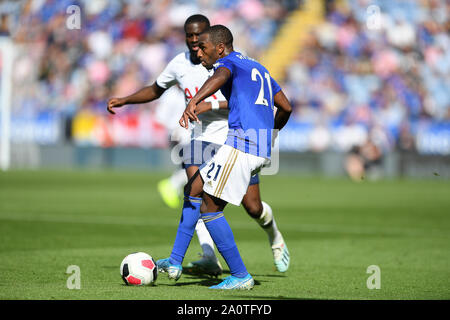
pixel 209 280
pixel 227 272
pixel 269 275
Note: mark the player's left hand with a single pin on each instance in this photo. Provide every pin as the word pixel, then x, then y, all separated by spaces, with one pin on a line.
pixel 115 103
pixel 189 114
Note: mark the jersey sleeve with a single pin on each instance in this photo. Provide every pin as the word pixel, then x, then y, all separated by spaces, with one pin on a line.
pixel 168 77
pixel 275 86
pixel 226 63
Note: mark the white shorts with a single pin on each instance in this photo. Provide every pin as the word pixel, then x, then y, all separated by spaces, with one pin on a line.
pixel 227 174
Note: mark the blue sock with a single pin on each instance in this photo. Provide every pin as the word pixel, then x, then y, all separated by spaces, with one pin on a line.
pixel 220 231
pixel 186 228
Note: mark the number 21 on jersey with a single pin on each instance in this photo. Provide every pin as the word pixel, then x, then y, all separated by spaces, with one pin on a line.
pixel 256 76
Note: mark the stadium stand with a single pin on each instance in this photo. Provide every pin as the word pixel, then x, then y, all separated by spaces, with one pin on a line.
pixel 350 81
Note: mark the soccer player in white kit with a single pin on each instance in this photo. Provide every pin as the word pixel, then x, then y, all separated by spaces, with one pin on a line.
pixel 186 71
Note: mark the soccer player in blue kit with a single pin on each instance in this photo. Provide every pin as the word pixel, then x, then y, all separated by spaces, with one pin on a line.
pixel 252 94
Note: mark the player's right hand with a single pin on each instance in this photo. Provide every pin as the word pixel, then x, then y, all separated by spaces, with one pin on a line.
pixel 114 103
pixel 188 114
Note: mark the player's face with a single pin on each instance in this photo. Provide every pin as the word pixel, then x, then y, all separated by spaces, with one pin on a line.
pixel 207 52
pixel 193 31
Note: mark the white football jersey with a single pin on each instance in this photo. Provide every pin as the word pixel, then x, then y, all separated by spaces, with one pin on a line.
pixel 190 78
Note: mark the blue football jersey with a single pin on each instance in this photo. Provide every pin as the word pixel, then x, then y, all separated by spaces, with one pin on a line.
pixel 249 91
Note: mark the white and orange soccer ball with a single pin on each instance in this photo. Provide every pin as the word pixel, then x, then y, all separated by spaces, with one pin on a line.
pixel 138 269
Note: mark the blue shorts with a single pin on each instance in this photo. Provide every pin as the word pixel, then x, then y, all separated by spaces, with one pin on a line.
pixel 198 152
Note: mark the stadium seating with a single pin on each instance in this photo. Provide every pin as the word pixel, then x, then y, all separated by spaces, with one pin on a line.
pixel 349 79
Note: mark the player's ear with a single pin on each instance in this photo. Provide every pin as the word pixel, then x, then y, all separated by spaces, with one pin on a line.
pixel 220 48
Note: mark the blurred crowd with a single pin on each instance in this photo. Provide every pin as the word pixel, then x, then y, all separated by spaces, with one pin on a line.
pixel 373 71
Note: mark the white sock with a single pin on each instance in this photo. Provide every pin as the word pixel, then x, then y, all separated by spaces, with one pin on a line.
pixel 205 240
pixel 178 179
pixel 267 222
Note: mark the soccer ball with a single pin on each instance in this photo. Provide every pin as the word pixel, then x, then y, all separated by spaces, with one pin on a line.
pixel 138 269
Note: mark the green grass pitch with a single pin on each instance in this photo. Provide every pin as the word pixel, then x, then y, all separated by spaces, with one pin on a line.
pixel 334 228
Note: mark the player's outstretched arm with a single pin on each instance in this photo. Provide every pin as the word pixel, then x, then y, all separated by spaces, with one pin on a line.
pixel 203 106
pixel 284 110
pixel 144 95
pixel 217 80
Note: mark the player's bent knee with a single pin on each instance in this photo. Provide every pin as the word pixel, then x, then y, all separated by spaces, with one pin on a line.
pixel 212 203
pixel 203 208
pixel 254 209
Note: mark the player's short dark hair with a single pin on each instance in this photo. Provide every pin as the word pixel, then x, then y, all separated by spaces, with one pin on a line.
pixel 196 18
pixel 220 34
